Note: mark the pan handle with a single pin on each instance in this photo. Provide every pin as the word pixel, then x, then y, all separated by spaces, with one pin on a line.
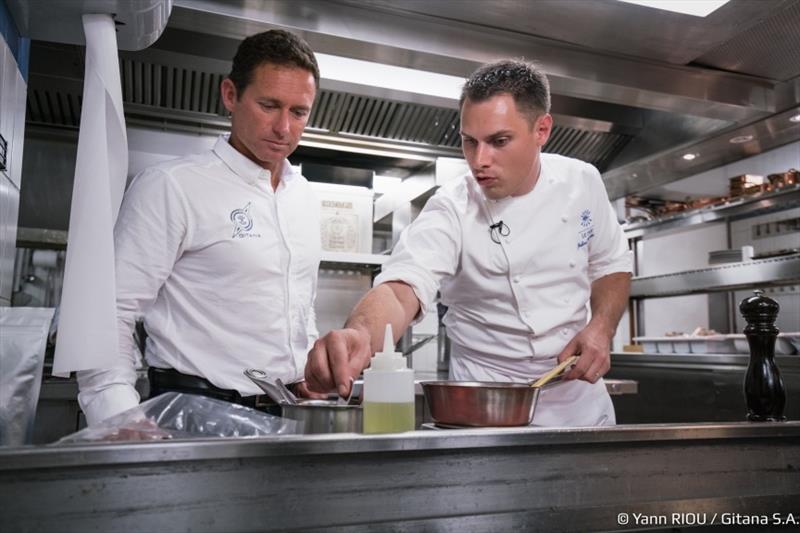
pixel 555 372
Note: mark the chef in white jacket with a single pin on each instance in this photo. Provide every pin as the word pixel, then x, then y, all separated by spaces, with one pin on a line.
pixel 517 249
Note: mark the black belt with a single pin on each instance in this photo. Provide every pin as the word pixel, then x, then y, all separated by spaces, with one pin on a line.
pixel 170 380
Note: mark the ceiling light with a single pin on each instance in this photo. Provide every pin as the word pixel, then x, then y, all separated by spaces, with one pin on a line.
pixel 795 118
pixel 739 139
pixel 689 157
pixel 634 175
pixel 389 76
pixel 696 8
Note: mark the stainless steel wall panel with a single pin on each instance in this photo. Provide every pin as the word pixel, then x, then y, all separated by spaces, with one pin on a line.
pixel 9 209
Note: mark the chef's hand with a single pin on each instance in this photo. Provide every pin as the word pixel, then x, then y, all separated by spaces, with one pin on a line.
pixel 136 430
pixel 301 390
pixel 592 345
pixel 337 359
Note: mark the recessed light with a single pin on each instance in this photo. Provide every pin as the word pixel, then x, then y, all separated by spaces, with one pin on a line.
pixel 634 175
pixel 689 157
pixel 795 118
pixel 739 139
pixel 697 8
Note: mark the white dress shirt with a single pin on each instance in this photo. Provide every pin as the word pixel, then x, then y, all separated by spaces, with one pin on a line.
pixel 513 306
pixel 222 268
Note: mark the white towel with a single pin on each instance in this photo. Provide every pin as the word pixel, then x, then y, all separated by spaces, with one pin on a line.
pixel 87 332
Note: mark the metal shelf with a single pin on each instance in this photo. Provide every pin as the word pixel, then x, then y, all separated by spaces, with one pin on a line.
pixel 731 276
pixel 351 261
pixel 786 198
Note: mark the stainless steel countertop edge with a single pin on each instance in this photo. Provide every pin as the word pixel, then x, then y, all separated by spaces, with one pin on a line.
pixel 30 457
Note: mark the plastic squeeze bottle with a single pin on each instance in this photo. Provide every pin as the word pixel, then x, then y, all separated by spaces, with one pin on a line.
pixel 388 391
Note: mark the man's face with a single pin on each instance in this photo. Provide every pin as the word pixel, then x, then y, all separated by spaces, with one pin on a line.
pixel 268 117
pixel 501 146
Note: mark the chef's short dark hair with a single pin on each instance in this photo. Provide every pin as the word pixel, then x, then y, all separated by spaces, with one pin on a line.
pixel 522 80
pixel 278 47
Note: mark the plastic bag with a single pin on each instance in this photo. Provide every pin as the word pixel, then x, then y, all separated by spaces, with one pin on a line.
pixel 177 415
pixel 22 344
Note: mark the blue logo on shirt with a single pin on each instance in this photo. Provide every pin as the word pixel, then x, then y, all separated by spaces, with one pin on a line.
pixel 587 232
pixel 586 218
pixel 242 223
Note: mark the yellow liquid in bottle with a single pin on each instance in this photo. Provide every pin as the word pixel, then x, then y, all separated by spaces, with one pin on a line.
pixel 385 417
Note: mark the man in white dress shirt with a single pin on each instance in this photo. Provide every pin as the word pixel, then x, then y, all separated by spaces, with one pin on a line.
pixel 517 249
pixel 218 252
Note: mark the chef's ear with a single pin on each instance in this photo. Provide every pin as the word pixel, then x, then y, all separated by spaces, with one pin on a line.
pixel 543 126
pixel 230 97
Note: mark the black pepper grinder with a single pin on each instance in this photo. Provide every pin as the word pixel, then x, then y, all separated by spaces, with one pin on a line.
pixel 763 387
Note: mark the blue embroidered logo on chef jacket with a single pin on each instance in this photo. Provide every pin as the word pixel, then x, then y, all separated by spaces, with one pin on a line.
pixel 242 223
pixel 585 234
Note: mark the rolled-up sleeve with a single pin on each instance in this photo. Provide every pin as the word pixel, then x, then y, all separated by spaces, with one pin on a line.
pixel 608 250
pixel 428 251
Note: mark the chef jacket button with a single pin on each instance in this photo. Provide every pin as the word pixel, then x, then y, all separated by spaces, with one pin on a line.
pixel 564 218
pixel 572 264
pixel 507 240
pixel 516 279
pixel 564 331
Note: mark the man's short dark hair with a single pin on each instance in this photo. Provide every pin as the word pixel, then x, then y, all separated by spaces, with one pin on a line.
pixel 278 47
pixel 522 80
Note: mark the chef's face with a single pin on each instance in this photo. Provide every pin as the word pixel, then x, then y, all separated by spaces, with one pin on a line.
pixel 502 145
pixel 268 117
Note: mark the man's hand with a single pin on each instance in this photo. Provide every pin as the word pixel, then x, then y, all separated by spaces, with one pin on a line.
pixel 336 359
pixel 139 430
pixel 592 344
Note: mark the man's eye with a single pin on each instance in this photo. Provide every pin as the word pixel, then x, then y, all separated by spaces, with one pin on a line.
pixel 467 141
pixel 300 113
pixel 268 106
pixel 502 141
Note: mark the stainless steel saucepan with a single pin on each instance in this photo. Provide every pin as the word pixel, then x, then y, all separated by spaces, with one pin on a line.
pixel 314 416
pixel 487 404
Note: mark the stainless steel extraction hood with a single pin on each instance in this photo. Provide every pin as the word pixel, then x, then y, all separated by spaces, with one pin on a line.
pixel 633 87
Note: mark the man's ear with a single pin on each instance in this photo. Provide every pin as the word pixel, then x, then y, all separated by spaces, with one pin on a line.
pixel 227 90
pixel 544 126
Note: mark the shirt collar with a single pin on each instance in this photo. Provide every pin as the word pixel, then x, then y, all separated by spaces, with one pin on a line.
pixel 244 167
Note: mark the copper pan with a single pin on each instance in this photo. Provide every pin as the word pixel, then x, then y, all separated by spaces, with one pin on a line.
pixel 486 404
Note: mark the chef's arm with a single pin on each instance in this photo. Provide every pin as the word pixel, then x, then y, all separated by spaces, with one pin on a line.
pixel 341 355
pixel 148 239
pixel 106 392
pixel 394 303
pixel 608 301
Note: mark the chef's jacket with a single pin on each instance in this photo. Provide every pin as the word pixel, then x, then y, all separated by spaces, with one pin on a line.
pixel 514 305
pixel 222 268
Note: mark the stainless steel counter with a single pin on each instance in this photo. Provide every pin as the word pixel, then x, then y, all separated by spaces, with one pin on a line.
pixel 464 480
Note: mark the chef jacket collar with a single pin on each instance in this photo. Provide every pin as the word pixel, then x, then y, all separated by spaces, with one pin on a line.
pixel 243 167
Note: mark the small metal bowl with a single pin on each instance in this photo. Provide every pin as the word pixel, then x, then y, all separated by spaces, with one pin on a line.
pixel 324 416
pixel 479 403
